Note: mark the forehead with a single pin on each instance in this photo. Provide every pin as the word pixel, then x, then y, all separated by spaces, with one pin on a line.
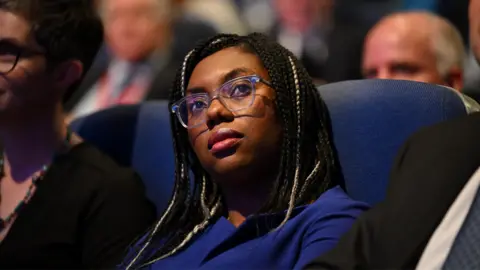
pixel 14 27
pixel 212 69
pixel 384 46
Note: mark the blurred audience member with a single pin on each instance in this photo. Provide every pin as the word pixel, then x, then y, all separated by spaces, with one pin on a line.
pixel 145 42
pixel 64 204
pixel 302 27
pixel 417 46
pixel 223 15
pixel 257 14
pixel 431 215
pixel 351 21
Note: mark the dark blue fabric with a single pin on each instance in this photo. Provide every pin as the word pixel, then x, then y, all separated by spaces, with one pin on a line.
pixel 312 231
pixel 153 155
pixel 137 136
pixel 371 119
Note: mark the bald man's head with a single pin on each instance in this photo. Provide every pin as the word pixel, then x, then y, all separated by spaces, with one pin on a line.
pixel 416 46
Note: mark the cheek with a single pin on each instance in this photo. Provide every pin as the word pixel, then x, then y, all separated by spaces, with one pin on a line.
pixel 198 139
pixel 260 109
pixel 15 81
pixel 265 127
pixel 195 134
pixel 26 83
pixel 265 144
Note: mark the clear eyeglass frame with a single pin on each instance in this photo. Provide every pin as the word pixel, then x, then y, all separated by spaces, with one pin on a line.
pixel 223 94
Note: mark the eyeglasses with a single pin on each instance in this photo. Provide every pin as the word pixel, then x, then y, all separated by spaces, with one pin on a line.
pixel 237 94
pixel 10 53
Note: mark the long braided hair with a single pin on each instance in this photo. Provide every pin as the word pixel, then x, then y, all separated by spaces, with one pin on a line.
pixel 308 160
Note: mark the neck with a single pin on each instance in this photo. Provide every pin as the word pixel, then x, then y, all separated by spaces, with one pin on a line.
pixel 246 198
pixel 31 141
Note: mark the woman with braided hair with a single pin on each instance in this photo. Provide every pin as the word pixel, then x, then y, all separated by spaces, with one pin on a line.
pixel 249 126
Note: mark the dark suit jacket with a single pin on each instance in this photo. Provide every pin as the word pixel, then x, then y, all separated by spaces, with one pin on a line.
pixel 430 171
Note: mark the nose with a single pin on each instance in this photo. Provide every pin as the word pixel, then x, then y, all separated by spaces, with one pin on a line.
pixel 217 113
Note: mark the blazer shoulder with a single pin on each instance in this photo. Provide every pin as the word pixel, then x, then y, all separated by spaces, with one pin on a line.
pixel 462 131
pixel 450 150
pixel 449 145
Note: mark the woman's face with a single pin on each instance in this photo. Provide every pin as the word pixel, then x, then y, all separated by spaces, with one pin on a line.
pixel 232 146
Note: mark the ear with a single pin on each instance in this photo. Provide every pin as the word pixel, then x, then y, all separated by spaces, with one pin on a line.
pixel 67 73
pixel 454 78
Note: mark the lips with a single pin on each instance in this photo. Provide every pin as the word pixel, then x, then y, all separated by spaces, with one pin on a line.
pixel 223 139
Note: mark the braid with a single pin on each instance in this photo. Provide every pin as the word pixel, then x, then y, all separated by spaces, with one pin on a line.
pixel 303 174
pixel 203 197
pixel 293 194
pixel 196 229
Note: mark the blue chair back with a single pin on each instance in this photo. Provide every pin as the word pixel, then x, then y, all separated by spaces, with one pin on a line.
pixel 371 119
pixel 137 136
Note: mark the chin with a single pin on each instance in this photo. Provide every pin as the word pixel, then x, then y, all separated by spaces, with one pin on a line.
pixel 230 167
pixel 226 165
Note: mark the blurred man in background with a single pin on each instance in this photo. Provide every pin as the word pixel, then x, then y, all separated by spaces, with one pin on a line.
pixel 417 46
pixel 145 42
pixel 431 214
pixel 302 26
pixel 223 15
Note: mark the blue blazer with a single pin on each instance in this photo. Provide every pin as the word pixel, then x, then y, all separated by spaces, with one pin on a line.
pixel 312 230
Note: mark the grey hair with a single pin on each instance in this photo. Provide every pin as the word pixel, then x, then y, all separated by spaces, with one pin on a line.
pixel 445 39
pixel 447 44
pixel 165 8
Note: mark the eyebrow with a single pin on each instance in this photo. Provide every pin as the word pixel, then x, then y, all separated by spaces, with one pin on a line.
pixel 232 74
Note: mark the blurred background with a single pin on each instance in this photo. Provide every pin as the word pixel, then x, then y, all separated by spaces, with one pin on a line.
pixel 146 40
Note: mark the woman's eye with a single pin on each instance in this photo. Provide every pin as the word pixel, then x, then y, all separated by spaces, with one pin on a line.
pixel 196 105
pixel 241 90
